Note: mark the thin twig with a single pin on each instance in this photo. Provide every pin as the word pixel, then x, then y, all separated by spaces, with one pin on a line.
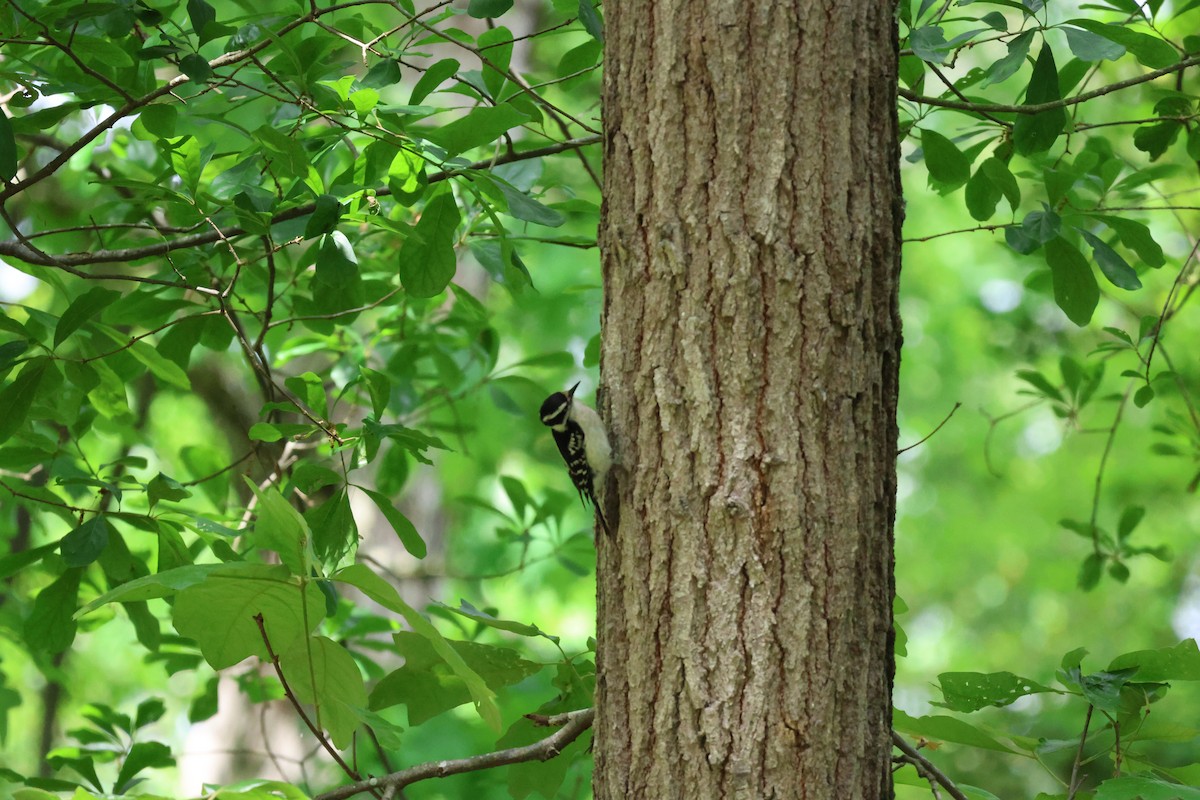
pixel 932 432
pixel 291 696
pixel 1073 786
pixel 574 723
pixel 926 767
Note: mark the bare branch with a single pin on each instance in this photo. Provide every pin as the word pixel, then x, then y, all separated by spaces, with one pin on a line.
pixel 925 767
pixel 574 723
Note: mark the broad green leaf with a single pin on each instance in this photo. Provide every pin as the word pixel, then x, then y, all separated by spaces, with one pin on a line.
pixel 281 528
pixel 8 149
pixel 434 76
pixel 427 686
pixel 1039 382
pixel 334 531
pixel 427 258
pixel 1151 51
pixel 84 545
pixel 948 167
pixel 483 9
pixel 524 207
pixel 1006 67
pixel 947 729
pixel 1036 133
pixel 337 284
pixel 310 388
pixel 411 440
pixel 165 584
pixel 219 613
pixel 100 52
pixel 981 196
pixel 404 529
pixel 201 15
pixel 142 755
pixel 18 396
pixel 496 45
pixel 325 216
pixel 196 67
pixel 82 309
pixel 1136 237
pixel 1115 268
pixel 589 16
pixel 1089 46
pixel 971 691
pixel 321 672
pixel 1178 663
pixel 1075 289
pixel 50 626
pixel 1144 788
pixel 383 73
pixel 159 365
pixel 1155 139
pixel 1000 175
pixel 406 177
pixel 383 593
pixel 520 628
pixel 481 126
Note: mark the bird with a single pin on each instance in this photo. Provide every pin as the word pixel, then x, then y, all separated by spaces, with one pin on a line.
pixel 583 442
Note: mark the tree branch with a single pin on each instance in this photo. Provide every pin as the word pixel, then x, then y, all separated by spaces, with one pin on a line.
pixel 925 767
pixel 68 261
pixel 574 723
pixel 1037 108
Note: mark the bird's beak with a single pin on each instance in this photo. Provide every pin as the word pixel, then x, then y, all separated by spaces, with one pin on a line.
pixel 571 391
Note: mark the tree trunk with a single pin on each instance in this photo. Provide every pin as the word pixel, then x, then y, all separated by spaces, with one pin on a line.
pixel 750 249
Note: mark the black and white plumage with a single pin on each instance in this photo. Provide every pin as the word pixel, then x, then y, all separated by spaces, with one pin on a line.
pixel 583 442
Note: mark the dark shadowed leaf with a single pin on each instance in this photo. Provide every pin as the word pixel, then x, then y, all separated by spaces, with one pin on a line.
pixel 1075 289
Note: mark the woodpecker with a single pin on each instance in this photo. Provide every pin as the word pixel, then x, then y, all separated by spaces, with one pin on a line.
pixel 583 442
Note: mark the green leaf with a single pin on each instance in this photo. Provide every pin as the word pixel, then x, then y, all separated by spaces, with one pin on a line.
pixel 50 627
pixel 981 195
pixel 1115 268
pixel 8 149
pixel 383 593
pixel 524 207
pixel 84 545
pixel 484 9
pixel 201 15
pixel 337 284
pixel 427 687
pixel 1075 289
pixel 195 67
pixel 1155 139
pixel 998 173
pixel 325 216
pixel 948 167
pixel 404 529
pixel 427 258
pixel 142 755
pixel 321 671
pixel 1006 67
pixel 1039 382
pixel 281 528
pixel 82 309
pixel 947 729
pixel 1036 133
pixel 482 126
pixel 434 77
pixel 1090 571
pixel 219 613
pixel 18 396
pixel 590 17
pixel 384 73
pixel 1178 663
pixel 1137 238
pixel 165 584
pixel 1143 396
pixel 406 177
pixel 1144 788
pixel 1151 51
pixel 1091 47
pixel 971 691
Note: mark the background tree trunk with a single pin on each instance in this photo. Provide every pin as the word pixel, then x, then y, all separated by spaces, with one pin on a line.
pixel 751 351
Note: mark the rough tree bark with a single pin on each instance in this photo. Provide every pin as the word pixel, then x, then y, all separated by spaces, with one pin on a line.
pixel 750 249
